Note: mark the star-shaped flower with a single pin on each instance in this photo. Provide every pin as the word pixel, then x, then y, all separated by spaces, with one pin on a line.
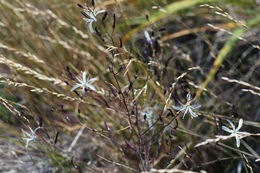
pixel 187 107
pixel 148 113
pixel 85 83
pixel 30 136
pixel 235 131
pixel 91 16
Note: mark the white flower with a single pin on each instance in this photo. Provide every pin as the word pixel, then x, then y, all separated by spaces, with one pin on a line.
pixel 235 131
pixel 91 16
pixel 147 37
pixel 85 83
pixel 187 107
pixel 148 114
pixel 30 136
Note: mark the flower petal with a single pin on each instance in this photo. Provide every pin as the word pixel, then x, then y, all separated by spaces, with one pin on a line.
pixel 84 76
pixel 92 80
pixel 237 141
pixel 92 16
pixel 26 134
pixel 88 20
pixel 148 38
pixel 91 27
pixel 27 143
pixel 188 97
pixel 177 108
pixel 31 129
pixel 193 114
pixel 90 87
pixel 83 90
pixel 75 87
pixel 35 130
pixel 88 12
pixel 240 123
pixel 99 11
pixel 150 123
pixel 186 110
pixel 196 106
pixel 79 80
pixel 181 103
pixel 231 124
pixel 226 129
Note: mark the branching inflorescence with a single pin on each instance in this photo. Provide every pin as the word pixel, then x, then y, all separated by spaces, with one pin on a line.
pixel 123 113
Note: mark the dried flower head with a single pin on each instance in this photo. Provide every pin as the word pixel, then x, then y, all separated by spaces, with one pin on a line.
pixel 187 107
pixel 85 83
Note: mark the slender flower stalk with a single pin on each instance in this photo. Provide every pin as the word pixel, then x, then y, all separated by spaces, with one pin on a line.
pixel 85 83
pixel 30 136
pixel 91 16
pixel 235 131
pixel 185 108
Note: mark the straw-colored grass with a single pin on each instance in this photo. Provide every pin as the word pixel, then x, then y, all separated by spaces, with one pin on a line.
pixel 206 48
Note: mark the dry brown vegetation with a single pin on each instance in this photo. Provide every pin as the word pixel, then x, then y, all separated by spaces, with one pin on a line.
pixel 207 48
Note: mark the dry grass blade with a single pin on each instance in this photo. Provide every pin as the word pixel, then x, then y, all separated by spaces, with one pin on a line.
pixel 172 8
pixel 28 55
pixel 236 34
pixel 118 164
pixel 174 170
pixel 241 83
pixel 109 96
pixel 40 90
pixel 230 33
pixel 68 47
pixel 194 30
pixel 220 138
pixel 251 91
pixel 36 11
pixel 29 71
pixel 12 109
